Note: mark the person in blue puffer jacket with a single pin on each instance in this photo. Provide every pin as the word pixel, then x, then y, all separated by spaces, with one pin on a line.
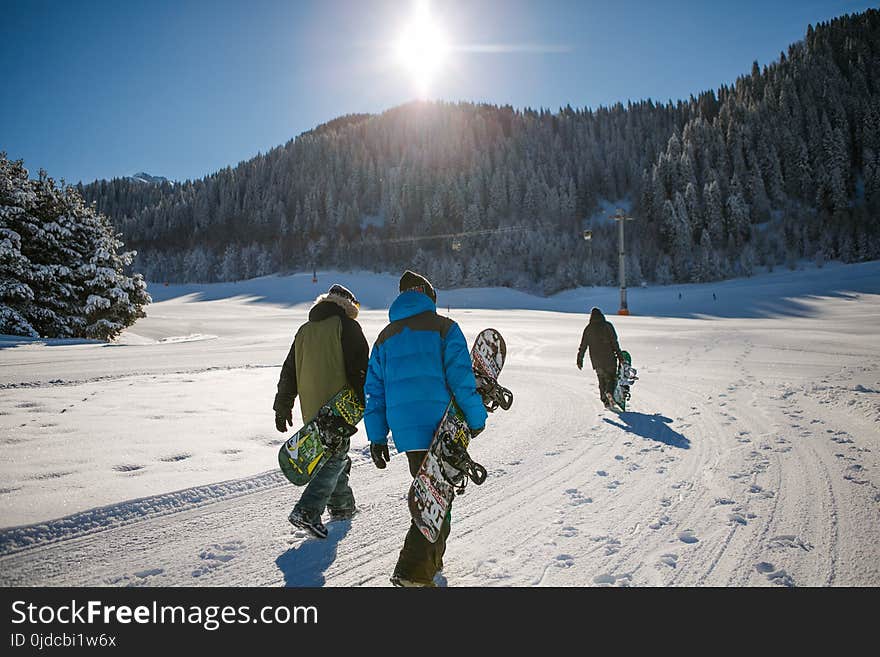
pixel 418 363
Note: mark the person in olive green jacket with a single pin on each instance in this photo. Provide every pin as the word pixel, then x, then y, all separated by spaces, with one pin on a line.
pixel 328 351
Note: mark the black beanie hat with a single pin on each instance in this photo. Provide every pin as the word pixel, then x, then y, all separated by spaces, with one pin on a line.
pixel 413 281
pixel 342 291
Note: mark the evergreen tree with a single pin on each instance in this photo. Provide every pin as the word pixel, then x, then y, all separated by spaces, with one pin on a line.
pixel 61 271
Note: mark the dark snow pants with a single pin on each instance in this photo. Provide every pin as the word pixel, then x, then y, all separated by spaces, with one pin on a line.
pixel 420 559
pixel 329 489
pixel 607 383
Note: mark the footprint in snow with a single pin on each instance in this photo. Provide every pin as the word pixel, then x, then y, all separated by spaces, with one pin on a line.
pixel 852 473
pixel 736 519
pixel 576 498
pixel 601 473
pixel 760 492
pixel 128 467
pixel 564 561
pixel 670 560
pixel 790 541
pixel 216 555
pixel 50 475
pixel 139 578
pixel 781 578
pixel 176 457
pixel 660 522
pixel 609 579
pixel 687 536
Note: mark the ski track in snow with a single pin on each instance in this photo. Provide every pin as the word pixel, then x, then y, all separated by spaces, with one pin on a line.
pixel 749 457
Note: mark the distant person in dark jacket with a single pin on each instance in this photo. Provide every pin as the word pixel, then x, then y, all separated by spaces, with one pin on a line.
pixel 419 362
pixel 601 339
pixel 328 351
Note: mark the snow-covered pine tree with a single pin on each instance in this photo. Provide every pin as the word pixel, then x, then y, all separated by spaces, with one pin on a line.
pixel 61 271
pixel 16 295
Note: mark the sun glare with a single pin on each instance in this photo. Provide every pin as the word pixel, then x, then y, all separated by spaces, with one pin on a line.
pixel 422 48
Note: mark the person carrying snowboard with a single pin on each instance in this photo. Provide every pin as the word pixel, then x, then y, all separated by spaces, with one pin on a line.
pixel 601 339
pixel 328 351
pixel 419 361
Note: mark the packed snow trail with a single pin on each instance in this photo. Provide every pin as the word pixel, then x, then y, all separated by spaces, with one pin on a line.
pixel 749 456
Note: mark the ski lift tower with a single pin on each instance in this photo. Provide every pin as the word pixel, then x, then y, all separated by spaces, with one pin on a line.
pixel 620 217
pixel 588 238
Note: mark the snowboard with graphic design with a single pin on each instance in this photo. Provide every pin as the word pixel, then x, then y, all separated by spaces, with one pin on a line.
pixel 447 465
pixel 304 453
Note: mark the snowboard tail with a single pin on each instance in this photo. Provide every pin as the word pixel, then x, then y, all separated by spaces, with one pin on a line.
pixel 303 454
pixel 447 466
pixel 626 377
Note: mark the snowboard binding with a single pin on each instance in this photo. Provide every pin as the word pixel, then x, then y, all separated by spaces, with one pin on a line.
pixel 458 466
pixel 334 429
pixel 494 396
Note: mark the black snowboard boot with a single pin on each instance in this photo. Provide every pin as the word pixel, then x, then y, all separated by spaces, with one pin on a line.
pixel 314 525
pixel 341 514
pixel 397 580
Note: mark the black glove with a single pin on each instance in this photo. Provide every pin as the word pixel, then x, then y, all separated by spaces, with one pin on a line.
pixel 283 421
pixel 379 454
pixel 477 432
pixel 580 364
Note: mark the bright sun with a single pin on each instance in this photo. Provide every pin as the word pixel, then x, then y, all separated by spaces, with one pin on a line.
pixel 422 48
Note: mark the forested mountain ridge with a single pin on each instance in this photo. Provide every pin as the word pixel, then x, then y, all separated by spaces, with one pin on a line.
pixel 783 164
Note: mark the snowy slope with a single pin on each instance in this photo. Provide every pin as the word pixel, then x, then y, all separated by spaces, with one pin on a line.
pixel 750 455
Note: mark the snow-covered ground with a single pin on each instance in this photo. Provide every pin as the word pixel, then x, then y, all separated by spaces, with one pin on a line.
pixel 750 456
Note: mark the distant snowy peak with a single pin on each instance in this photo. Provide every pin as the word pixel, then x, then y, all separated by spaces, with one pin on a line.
pixel 147 178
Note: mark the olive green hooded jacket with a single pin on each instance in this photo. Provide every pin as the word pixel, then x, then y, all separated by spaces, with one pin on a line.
pixel 328 351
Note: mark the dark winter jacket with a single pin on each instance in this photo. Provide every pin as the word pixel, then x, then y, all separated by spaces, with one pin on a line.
pixel 601 339
pixel 419 361
pixel 328 351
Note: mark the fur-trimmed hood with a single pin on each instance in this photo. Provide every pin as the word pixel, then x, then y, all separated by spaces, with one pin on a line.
pixel 347 306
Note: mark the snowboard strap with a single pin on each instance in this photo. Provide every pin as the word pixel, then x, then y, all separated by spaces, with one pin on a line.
pixel 334 429
pixel 457 457
pixel 494 396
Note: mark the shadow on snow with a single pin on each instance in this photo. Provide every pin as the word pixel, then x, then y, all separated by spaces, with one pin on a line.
pixel 305 564
pixel 12 341
pixel 651 427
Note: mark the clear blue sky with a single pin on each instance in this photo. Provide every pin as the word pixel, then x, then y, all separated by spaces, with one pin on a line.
pixel 180 88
